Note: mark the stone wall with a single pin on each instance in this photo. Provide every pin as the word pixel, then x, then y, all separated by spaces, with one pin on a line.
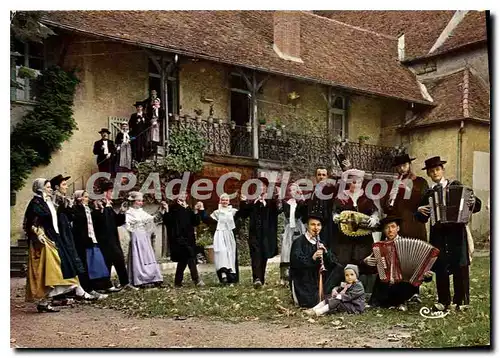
pixel 113 76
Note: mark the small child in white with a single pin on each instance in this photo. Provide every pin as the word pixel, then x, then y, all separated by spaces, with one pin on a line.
pixel 348 297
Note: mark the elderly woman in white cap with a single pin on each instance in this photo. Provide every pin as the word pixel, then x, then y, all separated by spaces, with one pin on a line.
pixel 142 266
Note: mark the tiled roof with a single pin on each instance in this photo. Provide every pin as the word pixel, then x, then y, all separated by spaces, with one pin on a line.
pixel 460 95
pixel 421 28
pixel 470 30
pixel 332 53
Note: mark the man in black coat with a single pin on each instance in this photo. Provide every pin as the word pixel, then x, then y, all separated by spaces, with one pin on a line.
pixel 181 221
pixel 148 102
pixel 263 230
pixel 106 223
pixel 104 149
pixel 450 239
pixel 138 125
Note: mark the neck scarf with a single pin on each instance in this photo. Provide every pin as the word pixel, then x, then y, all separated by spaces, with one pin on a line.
pixel 90 224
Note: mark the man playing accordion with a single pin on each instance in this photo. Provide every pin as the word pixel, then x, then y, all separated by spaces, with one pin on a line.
pixel 386 294
pixel 449 237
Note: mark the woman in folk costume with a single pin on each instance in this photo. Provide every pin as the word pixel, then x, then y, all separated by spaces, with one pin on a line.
pixel 71 264
pixel 180 221
pixel 295 210
pixel 97 273
pixel 142 266
pixel 124 149
pixel 226 258
pixel 349 249
pixel 45 279
pixel 155 118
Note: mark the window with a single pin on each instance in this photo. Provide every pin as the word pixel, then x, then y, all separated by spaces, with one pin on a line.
pixel 29 55
pixel 337 116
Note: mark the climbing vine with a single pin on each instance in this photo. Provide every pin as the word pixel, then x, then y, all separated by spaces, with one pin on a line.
pixel 43 129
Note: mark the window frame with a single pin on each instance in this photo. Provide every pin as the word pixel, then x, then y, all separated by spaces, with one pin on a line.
pixel 25 82
pixel 332 97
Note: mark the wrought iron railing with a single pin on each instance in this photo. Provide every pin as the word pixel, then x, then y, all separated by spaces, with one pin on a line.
pixel 222 137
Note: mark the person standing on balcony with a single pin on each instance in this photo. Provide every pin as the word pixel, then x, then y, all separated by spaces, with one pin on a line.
pixel 155 115
pixel 104 149
pixel 148 103
pixel 138 131
pixel 263 230
pixel 404 198
pixel 295 210
pixel 124 149
pixel 354 250
pixel 106 222
pixel 180 221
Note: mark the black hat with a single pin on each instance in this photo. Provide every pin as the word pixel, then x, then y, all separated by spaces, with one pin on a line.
pixel 139 103
pixel 433 162
pixel 402 159
pixel 106 185
pixel 104 130
pixel 390 219
pixel 57 180
pixel 316 216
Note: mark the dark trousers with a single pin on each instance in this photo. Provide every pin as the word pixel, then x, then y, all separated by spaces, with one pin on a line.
pixel 90 285
pixel 121 270
pixel 181 266
pixel 259 260
pixel 460 286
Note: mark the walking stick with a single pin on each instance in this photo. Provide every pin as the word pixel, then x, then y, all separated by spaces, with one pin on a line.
pixel 320 274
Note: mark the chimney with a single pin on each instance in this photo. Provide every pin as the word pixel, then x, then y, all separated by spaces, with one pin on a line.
pixel 287 35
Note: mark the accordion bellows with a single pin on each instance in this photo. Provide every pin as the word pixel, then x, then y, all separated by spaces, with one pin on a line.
pixel 405 260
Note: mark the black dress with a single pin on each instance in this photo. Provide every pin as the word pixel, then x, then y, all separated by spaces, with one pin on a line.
pixel 304 272
pixel 71 265
pixel 139 134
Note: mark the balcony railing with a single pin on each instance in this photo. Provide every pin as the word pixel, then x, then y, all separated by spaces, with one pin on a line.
pixel 293 150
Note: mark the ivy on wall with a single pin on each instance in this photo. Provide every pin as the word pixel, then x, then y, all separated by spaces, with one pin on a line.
pixel 43 129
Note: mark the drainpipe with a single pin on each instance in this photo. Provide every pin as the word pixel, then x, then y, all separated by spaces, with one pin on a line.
pixel 459 151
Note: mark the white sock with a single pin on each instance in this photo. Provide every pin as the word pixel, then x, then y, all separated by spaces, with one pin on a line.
pixel 322 310
pixel 80 291
pixel 319 305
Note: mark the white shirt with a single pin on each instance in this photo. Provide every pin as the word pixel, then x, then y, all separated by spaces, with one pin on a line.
pixel 105 145
pixel 443 182
pixel 309 238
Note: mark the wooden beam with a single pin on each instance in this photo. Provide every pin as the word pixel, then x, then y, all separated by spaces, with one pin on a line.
pixel 261 83
pixel 255 136
pixel 152 56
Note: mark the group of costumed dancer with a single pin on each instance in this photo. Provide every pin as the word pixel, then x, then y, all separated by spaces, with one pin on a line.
pixel 327 247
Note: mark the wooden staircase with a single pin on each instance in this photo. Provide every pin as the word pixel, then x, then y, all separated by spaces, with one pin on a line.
pixel 19 258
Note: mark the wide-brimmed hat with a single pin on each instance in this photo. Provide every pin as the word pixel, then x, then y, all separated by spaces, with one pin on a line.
pixel 106 185
pixel 138 103
pixel 57 180
pixel 264 180
pixel 315 216
pixel 135 195
pixel 390 219
pixel 104 130
pixel 433 162
pixel 402 159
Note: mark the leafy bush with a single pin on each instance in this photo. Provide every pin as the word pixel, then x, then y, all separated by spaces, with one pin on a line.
pixel 43 129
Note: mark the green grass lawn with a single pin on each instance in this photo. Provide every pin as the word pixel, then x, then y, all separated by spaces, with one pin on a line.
pixel 273 303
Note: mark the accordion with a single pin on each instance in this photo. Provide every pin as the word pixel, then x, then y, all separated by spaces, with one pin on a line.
pixel 404 260
pixel 449 205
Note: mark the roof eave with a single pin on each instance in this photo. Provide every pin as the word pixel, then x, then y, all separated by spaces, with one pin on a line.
pixel 414 60
pixel 218 59
pixel 446 121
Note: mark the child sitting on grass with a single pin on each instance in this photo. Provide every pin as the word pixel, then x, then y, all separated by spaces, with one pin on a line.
pixel 348 297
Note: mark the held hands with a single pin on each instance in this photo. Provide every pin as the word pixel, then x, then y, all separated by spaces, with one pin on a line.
pixel 243 197
pixel 424 210
pixel 164 206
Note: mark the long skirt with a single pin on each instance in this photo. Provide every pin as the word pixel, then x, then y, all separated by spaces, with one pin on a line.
pixel 125 160
pixel 142 265
pixel 225 250
pixel 289 236
pixel 71 264
pixel 45 277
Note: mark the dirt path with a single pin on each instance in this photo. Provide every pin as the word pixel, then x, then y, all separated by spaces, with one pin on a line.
pixel 85 326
